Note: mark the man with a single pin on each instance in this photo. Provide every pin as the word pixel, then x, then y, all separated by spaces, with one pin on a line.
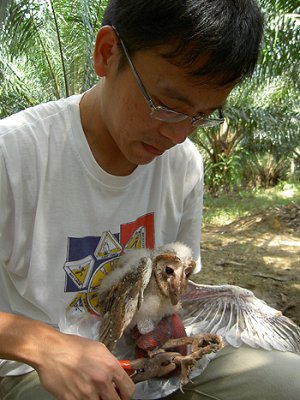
pixel 85 178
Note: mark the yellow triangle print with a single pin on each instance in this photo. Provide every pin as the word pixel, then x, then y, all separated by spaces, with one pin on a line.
pixel 137 240
pixel 80 271
pixel 108 246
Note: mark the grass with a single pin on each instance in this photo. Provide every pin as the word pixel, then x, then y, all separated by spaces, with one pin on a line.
pixel 227 207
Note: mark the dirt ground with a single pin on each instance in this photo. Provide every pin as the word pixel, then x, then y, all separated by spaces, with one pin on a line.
pixel 261 253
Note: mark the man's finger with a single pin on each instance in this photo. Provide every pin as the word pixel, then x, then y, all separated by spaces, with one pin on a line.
pixel 124 385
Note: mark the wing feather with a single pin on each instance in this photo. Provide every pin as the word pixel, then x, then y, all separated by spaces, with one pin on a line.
pixel 239 316
pixel 119 303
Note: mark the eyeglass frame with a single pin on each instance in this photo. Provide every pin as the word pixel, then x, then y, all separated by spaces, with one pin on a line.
pixel 197 121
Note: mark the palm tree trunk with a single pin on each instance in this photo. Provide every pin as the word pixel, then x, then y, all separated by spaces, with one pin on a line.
pixel 67 89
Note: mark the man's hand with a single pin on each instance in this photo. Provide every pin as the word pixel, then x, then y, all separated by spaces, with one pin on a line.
pixel 78 368
pixel 70 367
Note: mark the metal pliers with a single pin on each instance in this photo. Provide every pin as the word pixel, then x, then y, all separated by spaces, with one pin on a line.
pixel 157 365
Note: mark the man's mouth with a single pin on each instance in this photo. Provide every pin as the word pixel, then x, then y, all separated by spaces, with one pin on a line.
pixel 153 150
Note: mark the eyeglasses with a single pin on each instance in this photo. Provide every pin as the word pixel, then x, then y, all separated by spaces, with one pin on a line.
pixel 166 114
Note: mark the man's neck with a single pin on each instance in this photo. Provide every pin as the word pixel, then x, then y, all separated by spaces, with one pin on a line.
pixel 103 147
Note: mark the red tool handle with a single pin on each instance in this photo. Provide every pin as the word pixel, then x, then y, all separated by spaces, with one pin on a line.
pixel 126 365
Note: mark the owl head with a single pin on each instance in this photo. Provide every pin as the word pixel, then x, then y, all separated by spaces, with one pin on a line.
pixel 172 267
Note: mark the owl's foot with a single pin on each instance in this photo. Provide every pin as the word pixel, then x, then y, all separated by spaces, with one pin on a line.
pixel 200 345
pixel 161 362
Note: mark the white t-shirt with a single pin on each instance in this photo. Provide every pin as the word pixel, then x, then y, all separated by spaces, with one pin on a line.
pixel 64 220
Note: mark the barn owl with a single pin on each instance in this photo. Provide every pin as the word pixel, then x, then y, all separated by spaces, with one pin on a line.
pixel 145 287
pixel 131 295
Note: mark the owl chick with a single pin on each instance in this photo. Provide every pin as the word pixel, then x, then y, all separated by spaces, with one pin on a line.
pixel 145 287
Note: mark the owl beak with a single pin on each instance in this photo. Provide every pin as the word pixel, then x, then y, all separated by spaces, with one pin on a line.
pixel 175 288
pixel 174 299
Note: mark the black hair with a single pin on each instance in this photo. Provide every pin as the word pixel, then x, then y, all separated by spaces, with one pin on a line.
pixel 225 33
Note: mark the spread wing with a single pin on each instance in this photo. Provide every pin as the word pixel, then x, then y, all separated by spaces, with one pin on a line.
pixel 240 317
pixel 118 303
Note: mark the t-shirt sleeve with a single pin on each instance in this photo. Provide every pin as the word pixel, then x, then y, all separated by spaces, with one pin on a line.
pixel 190 225
pixel 6 213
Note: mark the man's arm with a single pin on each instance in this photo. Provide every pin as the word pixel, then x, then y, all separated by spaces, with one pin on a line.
pixel 70 367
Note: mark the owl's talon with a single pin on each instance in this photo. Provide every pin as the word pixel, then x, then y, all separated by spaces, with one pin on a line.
pixel 154 352
pixel 200 346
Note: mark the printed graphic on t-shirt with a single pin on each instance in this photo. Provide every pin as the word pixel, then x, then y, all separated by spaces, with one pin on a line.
pixel 90 259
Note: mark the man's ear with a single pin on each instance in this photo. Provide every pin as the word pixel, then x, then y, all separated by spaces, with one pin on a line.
pixel 106 50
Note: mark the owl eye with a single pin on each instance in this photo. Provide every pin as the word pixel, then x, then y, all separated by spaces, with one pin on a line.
pixel 169 270
pixel 188 273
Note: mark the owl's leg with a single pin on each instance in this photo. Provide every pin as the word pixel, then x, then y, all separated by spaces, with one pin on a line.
pixel 145 326
pixel 200 345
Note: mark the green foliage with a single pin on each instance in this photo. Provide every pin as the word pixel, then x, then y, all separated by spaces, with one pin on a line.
pixel 225 208
pixel 221 156
pixel 263 113
pixel 264 170
pixel 47 50
pixel 270 100
pixel 225 174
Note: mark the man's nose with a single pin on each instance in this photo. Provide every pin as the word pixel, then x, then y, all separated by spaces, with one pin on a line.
pixel 176 132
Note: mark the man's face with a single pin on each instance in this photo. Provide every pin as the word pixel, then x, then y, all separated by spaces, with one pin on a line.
pixel 138 137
